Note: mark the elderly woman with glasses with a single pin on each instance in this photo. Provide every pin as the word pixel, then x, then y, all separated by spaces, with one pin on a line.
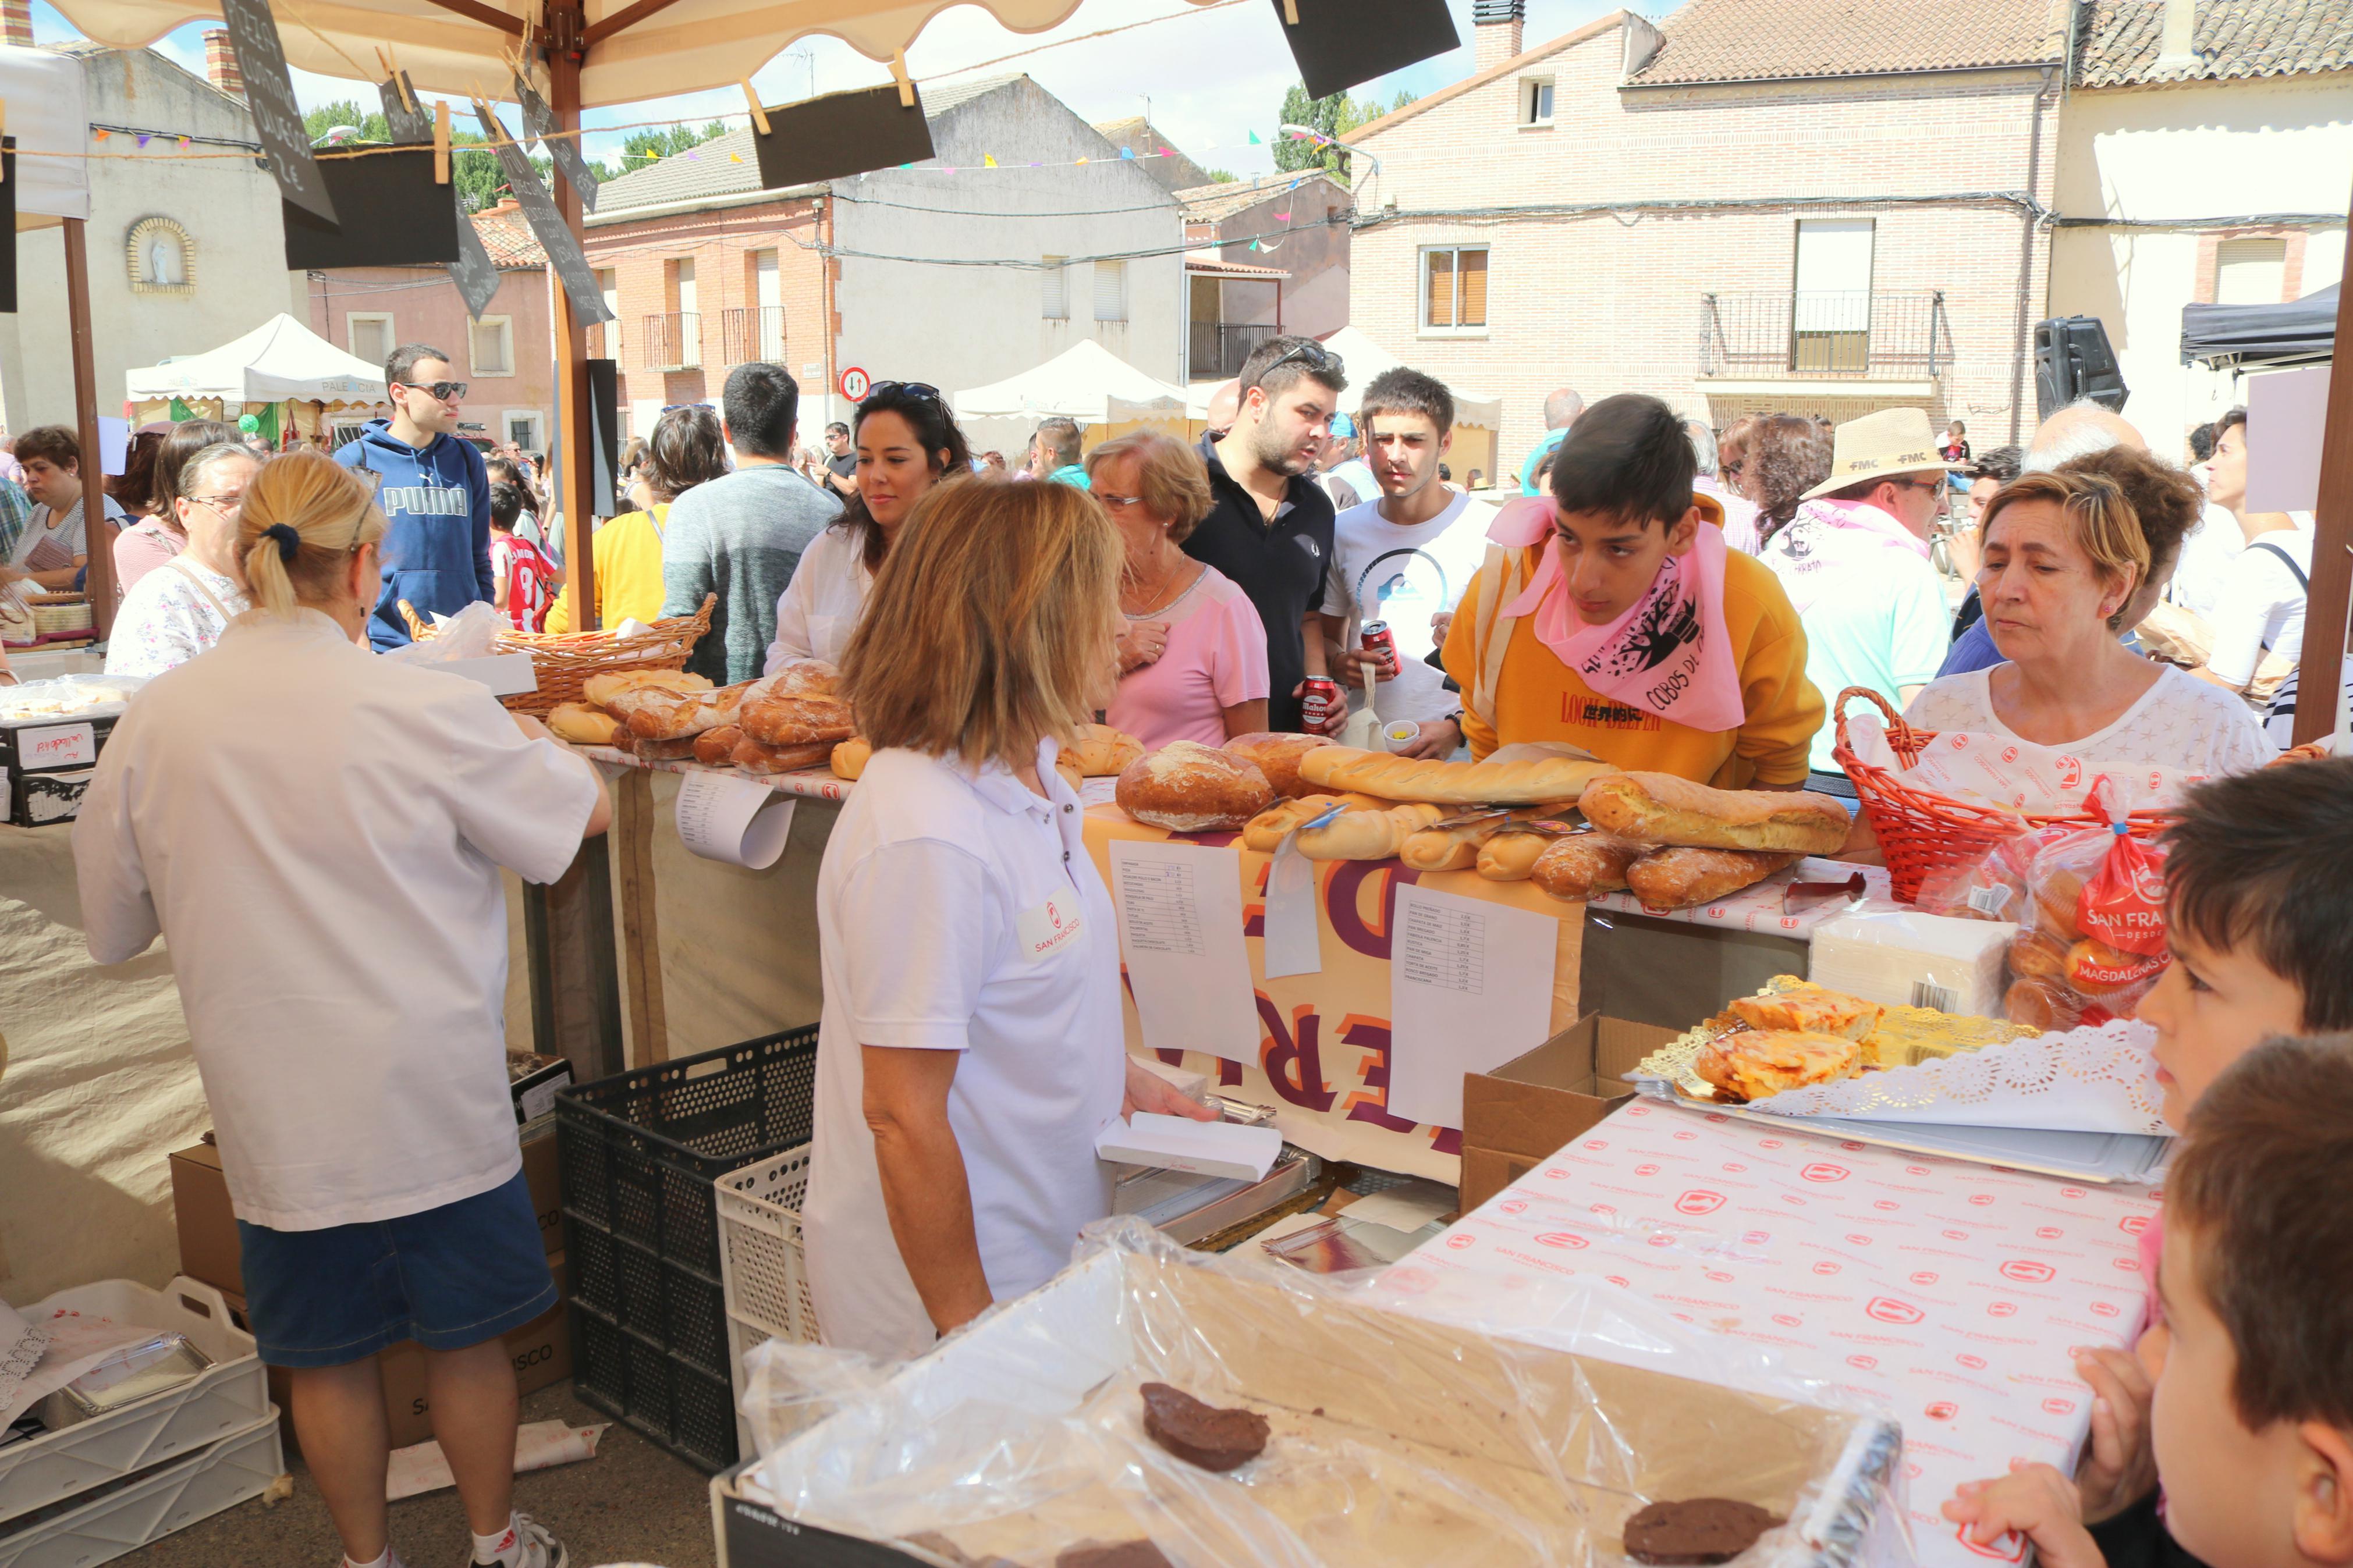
pixel 907 443
pixel 180 608
pixel 1192 651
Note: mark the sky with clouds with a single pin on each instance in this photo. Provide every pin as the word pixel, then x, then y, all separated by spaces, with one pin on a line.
pixel 1208 77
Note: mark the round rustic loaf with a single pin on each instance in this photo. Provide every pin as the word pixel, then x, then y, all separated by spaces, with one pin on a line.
pixel 1277 757
pixel 1187 787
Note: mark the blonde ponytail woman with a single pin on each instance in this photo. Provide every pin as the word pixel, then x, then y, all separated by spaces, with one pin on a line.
pixel 318 832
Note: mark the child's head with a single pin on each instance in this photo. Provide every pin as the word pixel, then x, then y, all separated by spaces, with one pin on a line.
pixel 2252 1423
pixel 1621 488
pixel 506 505
pixel 2258 896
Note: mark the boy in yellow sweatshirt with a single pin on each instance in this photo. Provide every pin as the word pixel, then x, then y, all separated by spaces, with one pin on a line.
pixel 1623 513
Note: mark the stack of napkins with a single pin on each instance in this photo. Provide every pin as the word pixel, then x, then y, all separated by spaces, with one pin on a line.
pixel 1224 1149
pixel 1907 959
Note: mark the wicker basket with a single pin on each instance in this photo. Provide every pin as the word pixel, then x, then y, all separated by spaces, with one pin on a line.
pixel 1921 832
pixel 563 663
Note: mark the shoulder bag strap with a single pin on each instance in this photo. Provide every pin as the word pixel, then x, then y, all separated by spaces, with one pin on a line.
pixel 2267 547
pixel 177 564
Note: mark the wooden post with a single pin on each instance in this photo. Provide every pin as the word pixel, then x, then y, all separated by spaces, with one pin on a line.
pixel 2320 672
pixel 566 26
pixel 97 532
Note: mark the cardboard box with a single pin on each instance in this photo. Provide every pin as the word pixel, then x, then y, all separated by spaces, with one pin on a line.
pixel 541 1349
pixel 1516 1116
pixel 208 1244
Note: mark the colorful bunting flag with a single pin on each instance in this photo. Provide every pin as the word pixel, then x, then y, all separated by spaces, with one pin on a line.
pixel 1127 153
pixel 96 132
pixel 1254 140
pixel 1282 218
pixel 143 140
pixel 988 159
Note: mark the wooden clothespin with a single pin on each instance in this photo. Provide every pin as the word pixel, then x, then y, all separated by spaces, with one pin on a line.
pixel 440 141
pixel 899 74
pixel 1290 13
pixel 4 131
pixel 759 115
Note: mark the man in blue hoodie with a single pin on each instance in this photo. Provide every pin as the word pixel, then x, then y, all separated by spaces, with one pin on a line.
pixel 434 492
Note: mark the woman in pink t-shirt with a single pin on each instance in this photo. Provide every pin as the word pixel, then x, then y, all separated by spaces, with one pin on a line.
pixel 1193 658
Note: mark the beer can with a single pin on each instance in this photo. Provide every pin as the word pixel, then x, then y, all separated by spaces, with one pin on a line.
pixel 1379 639
pixel 1321 705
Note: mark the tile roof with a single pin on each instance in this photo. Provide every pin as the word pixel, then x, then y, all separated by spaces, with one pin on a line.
pixel 712 169
pixel 508 238
pixel 1782 40
pixel 2120 40
pixel 1217 203
pixel 1157 156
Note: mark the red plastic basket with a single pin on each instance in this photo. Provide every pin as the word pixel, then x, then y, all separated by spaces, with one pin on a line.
pixel 1921 832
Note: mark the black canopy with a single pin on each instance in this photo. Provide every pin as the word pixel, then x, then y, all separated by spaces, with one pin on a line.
pixel 2303 331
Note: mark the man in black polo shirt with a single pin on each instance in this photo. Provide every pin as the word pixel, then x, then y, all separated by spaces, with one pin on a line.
pixel 1270 523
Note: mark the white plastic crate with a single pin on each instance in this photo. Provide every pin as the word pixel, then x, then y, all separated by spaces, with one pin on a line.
pixel 232 1394
pixel 240 1466
pixel 760 1259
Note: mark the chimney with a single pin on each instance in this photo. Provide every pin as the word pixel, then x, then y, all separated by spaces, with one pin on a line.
pixel 17 22
pixel 2176 52
pixel 1495 31
pixel 220 63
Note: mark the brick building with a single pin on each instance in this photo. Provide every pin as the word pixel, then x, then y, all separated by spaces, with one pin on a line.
pixel 1759 205
pixel 1296 281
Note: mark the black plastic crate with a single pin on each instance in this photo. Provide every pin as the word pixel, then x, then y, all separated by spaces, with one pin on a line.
pixel 670 1303
pixel 680 1406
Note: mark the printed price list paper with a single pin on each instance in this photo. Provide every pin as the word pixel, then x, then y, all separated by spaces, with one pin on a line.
pixel 1180 934
pixel 1470 988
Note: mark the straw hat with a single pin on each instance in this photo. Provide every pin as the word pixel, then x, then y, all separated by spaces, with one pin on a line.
pixel 1892 441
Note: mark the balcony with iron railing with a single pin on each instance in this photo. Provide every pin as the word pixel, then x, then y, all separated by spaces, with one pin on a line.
pixel 605 339
pixel 1864 336
pixel 673 341
pixel 1219 348
pixel 750 332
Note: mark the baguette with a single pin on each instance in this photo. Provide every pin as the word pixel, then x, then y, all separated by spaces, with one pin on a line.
pixel 797 722
pixel 850 758
pixel 1587 863
pixel 717 746
pixel 582 725
pixel 1457 848
pixel 1684 878
pixel 1264 832
pixel 754 757
pixel 653 713
pixel 1367 834
pixel 1662 809
pixel 1511 856
pixel 1448 784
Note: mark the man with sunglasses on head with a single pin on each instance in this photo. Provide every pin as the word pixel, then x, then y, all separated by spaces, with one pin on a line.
pixel 435 492
pixel 1270 523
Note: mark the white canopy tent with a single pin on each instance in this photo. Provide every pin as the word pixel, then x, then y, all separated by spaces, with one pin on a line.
pixel 278 360
pixel 1478 416
pixel 1080 383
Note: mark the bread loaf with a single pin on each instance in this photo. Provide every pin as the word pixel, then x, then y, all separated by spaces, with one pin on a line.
pixel 1512 857
pixel 645 750
pixel 1071 774
pixel 754 757
pixel 1584 864
pixel 1660 808
pixel 1277 757
pixel 797 720
pixel 582 725
pixel 1264 832
pixel 601 687
pixel 656 713
pixel 1187 787
pixel 717 746
pixel 1367 834
pixel 1449 784
pixel 806 678
pixel 1683 878
pixel 1104 752
pixel 848 759
pixel 1457 848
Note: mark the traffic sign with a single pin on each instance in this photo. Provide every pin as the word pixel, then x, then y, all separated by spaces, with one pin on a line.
pixel 855 383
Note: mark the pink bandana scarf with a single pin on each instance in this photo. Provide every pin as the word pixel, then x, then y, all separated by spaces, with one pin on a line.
pixel 1668 656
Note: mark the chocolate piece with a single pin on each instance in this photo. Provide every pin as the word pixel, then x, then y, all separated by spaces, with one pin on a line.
pixel 1202 1434
pixel 1696 1530
pixel 1119 1554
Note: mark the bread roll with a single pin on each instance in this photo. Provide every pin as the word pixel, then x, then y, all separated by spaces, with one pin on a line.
pixel 1367 834
pixel 1512 857
pixel 603 686
pixel 1584 864
pixel 1457 848
pixel 2032 954
pixel 2041 1004
pixel 1187 787
pixel 1104 752
pixel 1660 808
pixel 848 759
pixel 1070 774
pixel 1264 832
pixel 1683 878
pixel 656 713
pixel 754 757
pixel 582 725
pixel 1277 757
pixel 717 746
pixel 797 720
pixel 1449 784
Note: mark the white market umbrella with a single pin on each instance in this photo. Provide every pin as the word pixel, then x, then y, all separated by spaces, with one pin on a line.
pixel 278 360
pixel 1366 359
pixel 1081 383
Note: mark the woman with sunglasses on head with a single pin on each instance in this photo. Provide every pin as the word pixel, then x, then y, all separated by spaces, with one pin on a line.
pixel 180 609
pixel 907 443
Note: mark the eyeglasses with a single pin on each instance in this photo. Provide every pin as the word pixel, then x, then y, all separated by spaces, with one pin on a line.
pixel 1314 356
pixel 1118 503
pixel 442 391
pixel 228 506
pixel 911 388
pixel 1731 470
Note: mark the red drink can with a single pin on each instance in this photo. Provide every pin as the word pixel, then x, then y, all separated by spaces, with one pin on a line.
pixel 1379 639
pixel 1321 705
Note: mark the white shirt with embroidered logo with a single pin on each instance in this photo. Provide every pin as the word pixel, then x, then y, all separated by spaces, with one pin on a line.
pixel 959 911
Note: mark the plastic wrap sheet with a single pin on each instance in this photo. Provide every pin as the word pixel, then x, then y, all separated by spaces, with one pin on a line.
pixel 1396 1439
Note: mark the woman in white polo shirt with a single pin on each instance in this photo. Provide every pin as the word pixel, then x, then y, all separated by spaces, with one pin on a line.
pixel 970 1046
pixel 318 834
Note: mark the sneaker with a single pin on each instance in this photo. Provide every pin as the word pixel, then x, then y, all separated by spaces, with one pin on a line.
pixel 390 1561
pixel 532 1545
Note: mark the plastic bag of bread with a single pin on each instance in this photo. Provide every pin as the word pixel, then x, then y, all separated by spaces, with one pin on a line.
pixel 657 713
pixel 1454 843
pixel 1277 757
pixel 1188 787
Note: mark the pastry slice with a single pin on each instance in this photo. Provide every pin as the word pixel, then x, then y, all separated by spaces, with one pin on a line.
pixel 1811 1009
pixel 1756 1063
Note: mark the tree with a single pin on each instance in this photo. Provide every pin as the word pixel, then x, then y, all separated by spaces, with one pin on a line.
pixel 344 112
pixel 473 168
pixel 1334 116
pixel 1221 176
pixel 644 147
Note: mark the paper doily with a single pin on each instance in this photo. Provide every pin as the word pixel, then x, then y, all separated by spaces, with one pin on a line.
pixel 22 1345
pixel 2098 1078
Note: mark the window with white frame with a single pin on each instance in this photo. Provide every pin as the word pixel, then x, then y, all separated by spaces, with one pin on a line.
pixel 521 426
pixel 1056 305
pixel 2250 271
pixel 492 339
pixel 1111 290
pixel 1454 288
pixel 1535 101
pixel 368 334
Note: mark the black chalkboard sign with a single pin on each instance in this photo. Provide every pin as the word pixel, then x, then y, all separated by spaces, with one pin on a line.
pixel 1340 44
pixel 277 118
pixel 842 133
pixel 407 124
pixel 7 226
pixel 604 435
pixel 476 276
pixel 393 215
pixel 539 210
pixel 563 152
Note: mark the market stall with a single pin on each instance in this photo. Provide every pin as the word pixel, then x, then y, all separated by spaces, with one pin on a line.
pixel 1478 416
pixel 1086 381
pixel 290 380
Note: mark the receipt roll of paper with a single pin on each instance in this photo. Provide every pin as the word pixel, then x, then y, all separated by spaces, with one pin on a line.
pixel 728 817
